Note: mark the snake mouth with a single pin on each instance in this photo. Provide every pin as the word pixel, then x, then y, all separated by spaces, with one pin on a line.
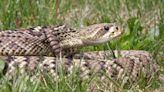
pixel 101 40
pixel 116 34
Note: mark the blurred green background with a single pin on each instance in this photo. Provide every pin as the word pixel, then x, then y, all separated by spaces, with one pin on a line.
pixel 142 20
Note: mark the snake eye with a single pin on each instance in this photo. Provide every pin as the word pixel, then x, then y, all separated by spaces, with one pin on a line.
pixel 106 28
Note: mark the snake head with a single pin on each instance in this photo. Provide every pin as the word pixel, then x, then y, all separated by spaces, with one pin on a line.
pixel 90 35
pixel 100 33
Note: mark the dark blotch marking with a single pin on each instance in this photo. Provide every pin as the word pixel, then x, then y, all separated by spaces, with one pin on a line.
pixel 58 34
pixel 118 64
pixel 102 63
pixel 131 65
pixel 27 59
pixel 87 64
pixel 45 65
pixel 31 32
pixel 53 68
pixel 9 32
pixel 114 73
pixel 2 35
pixel 90 74
pixel 44 27
pixel 68 62
pixel 40 59
pixel 106 28
pixel 6 53
pixel 72 30
pixel 19 36
pixel 53 63
pixel 7 35
pixel 31 29
pixel 65 35
pixel 13 36
pixel 26 39
pixel 9 59
pixel 20 32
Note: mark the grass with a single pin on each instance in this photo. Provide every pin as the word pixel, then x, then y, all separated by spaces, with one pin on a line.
pixel 142 21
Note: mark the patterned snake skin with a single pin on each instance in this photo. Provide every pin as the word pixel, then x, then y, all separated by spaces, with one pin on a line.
pixel 29 49
pixel 125 69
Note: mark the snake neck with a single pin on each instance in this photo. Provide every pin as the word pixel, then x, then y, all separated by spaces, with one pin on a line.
pixel 65 36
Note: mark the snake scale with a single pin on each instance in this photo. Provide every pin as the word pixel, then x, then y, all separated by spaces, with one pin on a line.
pixel 41 47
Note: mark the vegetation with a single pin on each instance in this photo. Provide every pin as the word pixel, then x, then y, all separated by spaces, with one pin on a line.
pixel 142 21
